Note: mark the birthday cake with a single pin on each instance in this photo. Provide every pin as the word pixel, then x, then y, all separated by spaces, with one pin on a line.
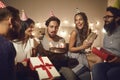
pixel 57 50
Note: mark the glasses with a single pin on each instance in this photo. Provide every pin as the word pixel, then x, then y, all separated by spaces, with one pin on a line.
pixel 107 17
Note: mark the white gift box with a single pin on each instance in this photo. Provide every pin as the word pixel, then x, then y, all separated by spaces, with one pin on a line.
pixel 44 67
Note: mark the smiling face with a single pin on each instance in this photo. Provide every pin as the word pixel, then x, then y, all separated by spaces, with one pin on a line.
pixel 29 30
pixel 79 22
pixel 52 28
pixel 110 23
pixel 108 18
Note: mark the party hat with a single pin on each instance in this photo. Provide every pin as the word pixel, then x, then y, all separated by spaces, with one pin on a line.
pixel 2 5
pixel 117 4
pixel 77 10
pixel 51 14
pixel 23 16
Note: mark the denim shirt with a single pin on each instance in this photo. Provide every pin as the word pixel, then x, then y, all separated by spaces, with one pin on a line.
pixel 112 43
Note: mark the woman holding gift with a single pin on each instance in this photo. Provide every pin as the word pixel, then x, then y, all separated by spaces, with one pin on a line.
pixel 24 45
pixel 78 44
pixel 24 42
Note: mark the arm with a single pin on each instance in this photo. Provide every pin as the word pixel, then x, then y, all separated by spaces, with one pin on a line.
pixel 116 59
pixel 11 60
pixel 72 41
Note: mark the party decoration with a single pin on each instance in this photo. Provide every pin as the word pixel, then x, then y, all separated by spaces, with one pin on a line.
pixel 23 16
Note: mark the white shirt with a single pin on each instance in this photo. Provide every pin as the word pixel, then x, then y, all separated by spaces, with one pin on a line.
pixel 23 51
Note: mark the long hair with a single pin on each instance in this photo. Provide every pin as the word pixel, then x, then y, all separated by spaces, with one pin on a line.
pixel 15 21
pixel 84 31
pixel 24 25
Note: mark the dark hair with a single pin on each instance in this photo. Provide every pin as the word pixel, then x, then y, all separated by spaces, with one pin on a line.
pixel 84 31
pixel 27 23
pixel 114 11
pixel 4 13
pixel 14 11
pixel 53 18
pixel 24 25
pixel 15 21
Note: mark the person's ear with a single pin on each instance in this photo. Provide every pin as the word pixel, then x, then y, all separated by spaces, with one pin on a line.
pixel 117 19
pixel 10 23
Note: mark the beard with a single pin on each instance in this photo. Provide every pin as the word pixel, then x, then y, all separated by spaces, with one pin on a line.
pixel 110 27
pixel 51 36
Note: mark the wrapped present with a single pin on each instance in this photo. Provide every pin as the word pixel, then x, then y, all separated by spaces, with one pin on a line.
pixel 104 54
pixel 91 37
pixel 44 67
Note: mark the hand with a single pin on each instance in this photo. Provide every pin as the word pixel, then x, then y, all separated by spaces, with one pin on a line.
pixel 24 63
pixel 86 44
pixel 116 59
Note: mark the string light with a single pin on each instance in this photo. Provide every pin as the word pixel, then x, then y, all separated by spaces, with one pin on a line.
pixel 38 24
pixel 91 24
pixel 103 30
pixel 66 22
pixel 97 23
pixel 63 33
pixel 73 25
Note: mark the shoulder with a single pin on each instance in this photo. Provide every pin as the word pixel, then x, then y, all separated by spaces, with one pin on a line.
pixel 4 41
pixel 8 45
pixel 60 38
pixel 74 33
pixel 17 43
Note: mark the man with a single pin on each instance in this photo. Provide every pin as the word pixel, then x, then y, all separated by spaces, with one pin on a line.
pixel 7 51
pixel 110 70
pixel 52 39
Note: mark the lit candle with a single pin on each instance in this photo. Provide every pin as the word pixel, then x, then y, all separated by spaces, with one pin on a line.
pixel 57 46
pixel 62 45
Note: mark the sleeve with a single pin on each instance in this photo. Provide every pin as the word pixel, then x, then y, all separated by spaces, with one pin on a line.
pixel 62 40
pixel 104 41
pixel 11 61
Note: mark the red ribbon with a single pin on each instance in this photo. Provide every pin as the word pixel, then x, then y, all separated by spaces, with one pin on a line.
pixel 44 66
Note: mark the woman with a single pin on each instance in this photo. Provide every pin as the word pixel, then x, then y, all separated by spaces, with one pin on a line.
pixel 78 44
pixel 24 44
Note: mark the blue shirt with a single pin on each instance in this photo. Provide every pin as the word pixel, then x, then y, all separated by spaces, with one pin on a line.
pixel 7 58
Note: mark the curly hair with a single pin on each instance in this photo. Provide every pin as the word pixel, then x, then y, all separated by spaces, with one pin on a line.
pixel 84 31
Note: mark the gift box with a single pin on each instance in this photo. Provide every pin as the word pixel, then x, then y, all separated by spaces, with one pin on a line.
pixel 104 54
pixel 91 37
pixel 44 67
